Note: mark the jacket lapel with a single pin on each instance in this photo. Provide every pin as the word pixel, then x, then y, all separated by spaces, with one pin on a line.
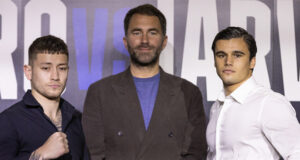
pixel 166 96
pixel 130 106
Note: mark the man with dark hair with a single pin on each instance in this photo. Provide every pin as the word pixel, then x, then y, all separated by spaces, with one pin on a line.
pixel 248 121
pixel 144 113
pixel 42 125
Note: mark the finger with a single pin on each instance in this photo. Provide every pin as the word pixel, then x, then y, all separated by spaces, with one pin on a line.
pixel 66 148
pixel 62 134
pixel 55 134
pixel 66 141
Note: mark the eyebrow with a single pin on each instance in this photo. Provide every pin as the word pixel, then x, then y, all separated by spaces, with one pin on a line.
pixel 240 52
pixel 48 63
pixel 136 29
pixel 153 29
pixel 220 52
pixel 235 51
pixel 139 29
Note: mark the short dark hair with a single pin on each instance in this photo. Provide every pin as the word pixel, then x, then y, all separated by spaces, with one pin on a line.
pixel 146 9
pixel 47 45
pixel 237 32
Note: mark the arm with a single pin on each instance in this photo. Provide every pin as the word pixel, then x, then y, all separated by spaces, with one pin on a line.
pixel 10 143
pixel 55 146
pixel 281 127
pixel 92 125
pixel 197 150
pixel 86 155
pixel 8 139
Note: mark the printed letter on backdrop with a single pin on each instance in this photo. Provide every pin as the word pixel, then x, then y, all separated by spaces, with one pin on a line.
pixel 286 28
pixel 192 66
pixel 8 43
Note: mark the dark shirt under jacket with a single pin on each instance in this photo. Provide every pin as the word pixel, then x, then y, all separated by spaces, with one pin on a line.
pixel 24 127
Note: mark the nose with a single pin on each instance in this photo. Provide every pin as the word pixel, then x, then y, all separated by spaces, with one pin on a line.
pixel 144 38
pixel 54 74
pixel 229 60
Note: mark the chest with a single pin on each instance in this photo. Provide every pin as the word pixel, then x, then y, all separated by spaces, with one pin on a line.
pixel 233 122
pixel 33 132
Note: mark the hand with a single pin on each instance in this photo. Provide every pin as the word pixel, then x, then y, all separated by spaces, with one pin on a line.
pixel 55 146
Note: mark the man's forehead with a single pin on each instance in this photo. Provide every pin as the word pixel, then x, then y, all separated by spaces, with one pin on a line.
pixel 233 42
pixel 141 19
pixel 51 58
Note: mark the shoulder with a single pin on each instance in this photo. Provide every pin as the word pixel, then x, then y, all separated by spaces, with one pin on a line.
pixel 270 96
pixel 71 109
pixel 274 102
pixel 13 110
pixel 11 118
pixel 107 80
pixel 183 83
pixel 191 92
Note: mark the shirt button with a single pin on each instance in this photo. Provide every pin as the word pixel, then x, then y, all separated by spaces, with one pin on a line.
pixel 170 134
pixel 120 133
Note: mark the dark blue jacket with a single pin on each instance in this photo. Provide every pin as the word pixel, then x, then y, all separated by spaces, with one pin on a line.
pixel 24 127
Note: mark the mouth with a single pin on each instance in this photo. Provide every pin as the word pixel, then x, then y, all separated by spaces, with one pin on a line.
pixel 144 49
pixel 54 86
pixel 228 71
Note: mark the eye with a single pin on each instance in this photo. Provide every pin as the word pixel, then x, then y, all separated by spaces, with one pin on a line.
pixel 153 33
pixel 220 55
pixel 136 33
pixel 45 68
pixel 237 55
pixel 63 68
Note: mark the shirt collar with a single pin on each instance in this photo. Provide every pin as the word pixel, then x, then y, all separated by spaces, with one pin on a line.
pixel 241 93
pixel 29 100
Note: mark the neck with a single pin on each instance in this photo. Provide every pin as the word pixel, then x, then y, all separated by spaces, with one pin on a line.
pixel 144 71
pixel 50 106
pixel 228 90
pixel 231 88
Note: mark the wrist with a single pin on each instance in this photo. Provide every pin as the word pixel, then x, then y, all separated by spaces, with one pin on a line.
pixel 36 156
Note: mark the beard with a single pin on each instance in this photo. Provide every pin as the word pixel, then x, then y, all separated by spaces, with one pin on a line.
pixel 141 59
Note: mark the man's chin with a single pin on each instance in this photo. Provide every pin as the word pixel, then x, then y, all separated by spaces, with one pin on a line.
pixel 144 62
pixel 53 95
pixel 227 82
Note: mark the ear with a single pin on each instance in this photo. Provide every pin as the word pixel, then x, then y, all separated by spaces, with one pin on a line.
pixel 252 63
pixel 125 42
pixel 165 42
pixel 28 71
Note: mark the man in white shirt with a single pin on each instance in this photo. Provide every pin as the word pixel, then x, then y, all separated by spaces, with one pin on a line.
pixel 248 121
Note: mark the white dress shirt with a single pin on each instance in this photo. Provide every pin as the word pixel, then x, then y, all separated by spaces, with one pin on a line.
pixel 253 123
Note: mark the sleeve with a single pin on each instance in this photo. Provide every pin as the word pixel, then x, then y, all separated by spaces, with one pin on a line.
pixel 197 149
pixel 93 125
pixel 8 138
pixel 86 154
pixel 281 127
